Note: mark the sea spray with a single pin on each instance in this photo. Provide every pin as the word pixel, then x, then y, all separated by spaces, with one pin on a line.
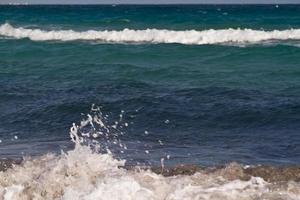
pixel 88 173
pixel 103 133
pixel 96 131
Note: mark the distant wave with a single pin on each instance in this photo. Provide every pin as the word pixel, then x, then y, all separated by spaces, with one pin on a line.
pixel 193 37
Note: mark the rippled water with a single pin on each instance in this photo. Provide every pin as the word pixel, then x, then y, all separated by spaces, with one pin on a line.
pixel 236 99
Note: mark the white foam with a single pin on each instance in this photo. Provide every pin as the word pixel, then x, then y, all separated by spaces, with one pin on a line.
pixel 81 174
pixel 232 36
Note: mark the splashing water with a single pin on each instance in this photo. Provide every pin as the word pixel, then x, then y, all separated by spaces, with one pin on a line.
pixel 104 135
pixel 96 130
pixel 90 171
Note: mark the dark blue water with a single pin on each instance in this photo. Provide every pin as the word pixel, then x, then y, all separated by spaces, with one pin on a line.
pixel 209 104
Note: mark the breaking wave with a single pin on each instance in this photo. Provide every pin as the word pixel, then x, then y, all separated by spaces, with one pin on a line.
pixel 192 37
pixel 81 174
pixel 87 173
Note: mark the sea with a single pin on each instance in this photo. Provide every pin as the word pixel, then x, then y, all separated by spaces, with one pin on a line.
pixel 94 97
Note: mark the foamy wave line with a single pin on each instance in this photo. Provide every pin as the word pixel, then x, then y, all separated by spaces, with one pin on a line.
pixel 235 36
pixel 81 174
pixel 86 174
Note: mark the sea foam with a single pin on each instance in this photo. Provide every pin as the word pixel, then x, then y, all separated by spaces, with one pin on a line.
pixel 192 37
pixel 87 174
pixel 81 174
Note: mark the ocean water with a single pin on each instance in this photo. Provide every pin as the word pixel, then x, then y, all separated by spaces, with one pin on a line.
pixel 152 86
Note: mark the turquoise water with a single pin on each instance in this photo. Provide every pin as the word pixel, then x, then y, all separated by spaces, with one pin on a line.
pixel 209 103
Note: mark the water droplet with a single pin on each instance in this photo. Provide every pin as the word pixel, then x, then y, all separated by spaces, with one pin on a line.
pixel 160 142
pixel 162 163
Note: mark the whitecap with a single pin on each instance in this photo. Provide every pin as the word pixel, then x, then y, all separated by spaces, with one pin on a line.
pixel 189 37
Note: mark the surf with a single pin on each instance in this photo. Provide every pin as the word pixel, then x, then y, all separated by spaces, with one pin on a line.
pixel 153 36
pixel 91 172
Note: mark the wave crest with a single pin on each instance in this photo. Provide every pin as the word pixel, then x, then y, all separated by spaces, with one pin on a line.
pixel 192 37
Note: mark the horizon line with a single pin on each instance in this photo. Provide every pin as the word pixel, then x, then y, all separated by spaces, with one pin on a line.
pixel 112 4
